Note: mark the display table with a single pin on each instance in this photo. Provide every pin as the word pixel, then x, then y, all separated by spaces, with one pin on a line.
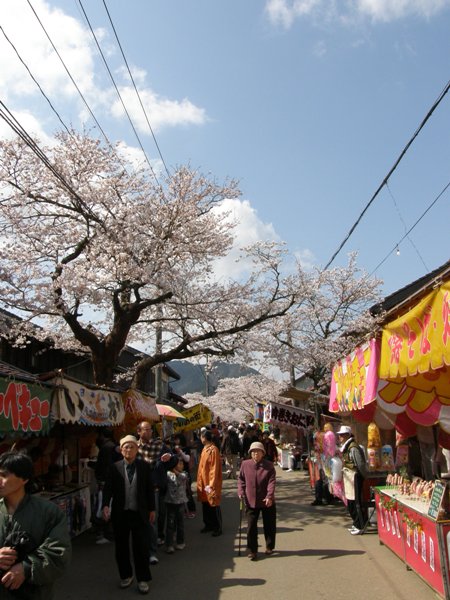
pixel 420 541
pixel 75 502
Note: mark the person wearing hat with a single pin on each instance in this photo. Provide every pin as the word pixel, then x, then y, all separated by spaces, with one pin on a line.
pixel 256 487
pixel 354 470
pixel 129 489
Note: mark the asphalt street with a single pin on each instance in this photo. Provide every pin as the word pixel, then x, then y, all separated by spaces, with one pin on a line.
pixel 316 558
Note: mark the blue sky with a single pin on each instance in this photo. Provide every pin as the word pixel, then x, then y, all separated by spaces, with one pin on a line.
pixel 307 105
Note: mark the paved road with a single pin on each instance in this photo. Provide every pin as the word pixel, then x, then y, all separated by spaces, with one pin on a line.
pixel 316 559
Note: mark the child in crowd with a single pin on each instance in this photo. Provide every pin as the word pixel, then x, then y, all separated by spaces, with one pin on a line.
pixel 176 499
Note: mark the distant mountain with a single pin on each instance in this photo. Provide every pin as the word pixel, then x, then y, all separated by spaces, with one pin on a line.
pixel 193 377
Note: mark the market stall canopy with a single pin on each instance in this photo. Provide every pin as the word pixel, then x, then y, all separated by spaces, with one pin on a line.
pixel 283 414
pixel 24 406
pixel 140 405
pixel 415 359
pixel 195 417
pixel 168 412
pixel 354 379
pixel 76 402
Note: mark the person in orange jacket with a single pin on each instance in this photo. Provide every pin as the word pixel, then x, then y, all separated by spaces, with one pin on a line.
pixel 209 485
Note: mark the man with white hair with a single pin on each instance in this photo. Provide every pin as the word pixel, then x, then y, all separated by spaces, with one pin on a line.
pixel 354 463
pixel 129 487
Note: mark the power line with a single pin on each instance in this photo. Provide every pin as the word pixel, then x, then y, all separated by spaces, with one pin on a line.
pixel 35 81
pixel 385 180
pixel 405 226
pixel 136 90
pixel 441 193
pixel 70 75
pixel 118 92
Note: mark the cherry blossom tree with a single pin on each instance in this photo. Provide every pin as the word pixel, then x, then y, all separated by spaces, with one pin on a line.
pixel 235 398
pixel 331 319
pixel 104 255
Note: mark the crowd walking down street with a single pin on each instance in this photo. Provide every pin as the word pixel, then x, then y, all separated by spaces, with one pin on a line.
pixel 314 558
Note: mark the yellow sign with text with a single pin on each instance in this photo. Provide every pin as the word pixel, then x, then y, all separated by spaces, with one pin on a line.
pixel 196 416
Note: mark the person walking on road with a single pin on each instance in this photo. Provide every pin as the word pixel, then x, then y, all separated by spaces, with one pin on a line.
pixel 256 486
pixel 130 488
pixel 209 485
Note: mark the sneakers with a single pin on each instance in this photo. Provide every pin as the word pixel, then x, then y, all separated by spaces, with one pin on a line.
pixel 190 515
pixel 252 555
pixel 143 587
pixel 102 540
pixel 153 560
pixel 124 583
pixel 180 546
pixel 268 551
pixel 355 531
pixel 160 541
pixel 170 550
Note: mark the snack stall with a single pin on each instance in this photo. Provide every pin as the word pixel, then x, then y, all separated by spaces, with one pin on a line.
pixel 293 421
pixel 401 383
pixel 414 522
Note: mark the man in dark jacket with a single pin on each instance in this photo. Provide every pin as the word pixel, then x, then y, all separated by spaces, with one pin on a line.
pixel 35 544
pixel 256 486
pixel 354 463
pixel 130 488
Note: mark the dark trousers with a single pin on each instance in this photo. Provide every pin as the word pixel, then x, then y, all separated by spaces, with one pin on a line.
pixel 269 516
pixel 212 517
pixel 355 509
pixel 175 523
pixel 130 523
pixel 161 514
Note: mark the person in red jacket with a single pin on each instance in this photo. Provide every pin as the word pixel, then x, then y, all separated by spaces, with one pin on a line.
pixel 256 486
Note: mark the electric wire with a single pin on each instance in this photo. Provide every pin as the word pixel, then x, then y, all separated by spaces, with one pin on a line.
pixel 118 92
pixel 441 193
pixel 35 81
pixel 405 226
pixel 392 169
pixel 21 132
pixel 70 75
pixel 135 88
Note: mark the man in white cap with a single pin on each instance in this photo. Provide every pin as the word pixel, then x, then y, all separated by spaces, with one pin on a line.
pixel 130 488
pixel 256 486
pixel 354 464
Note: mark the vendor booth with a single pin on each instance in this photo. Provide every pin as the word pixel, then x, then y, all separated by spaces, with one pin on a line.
pixel 293 421
pixel 401 383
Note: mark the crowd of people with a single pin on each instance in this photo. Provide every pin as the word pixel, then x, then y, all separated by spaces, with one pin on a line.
pixel 144 494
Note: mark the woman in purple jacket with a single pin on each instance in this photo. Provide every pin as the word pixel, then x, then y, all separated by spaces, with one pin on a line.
pixel 256 486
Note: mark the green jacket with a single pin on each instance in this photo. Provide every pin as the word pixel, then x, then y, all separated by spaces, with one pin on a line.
pixel 48 550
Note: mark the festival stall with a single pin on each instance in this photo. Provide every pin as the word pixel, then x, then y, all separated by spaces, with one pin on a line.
pixel 291 420
pixel 402 384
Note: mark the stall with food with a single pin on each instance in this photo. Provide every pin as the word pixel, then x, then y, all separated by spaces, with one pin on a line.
pixel 408 395
pixel 292 422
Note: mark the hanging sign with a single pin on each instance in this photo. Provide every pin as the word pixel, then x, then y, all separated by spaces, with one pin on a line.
pixel 24 407
pixel 196 416
pixel 437 498
pixel 283 414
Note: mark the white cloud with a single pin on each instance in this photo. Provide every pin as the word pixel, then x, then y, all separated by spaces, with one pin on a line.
pixel 285 12
pixel 75 45
pixel 160 111
pixel 249 230
pixel 32 125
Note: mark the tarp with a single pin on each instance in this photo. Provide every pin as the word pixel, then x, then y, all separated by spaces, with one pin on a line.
pixel 76 402
pixel 24 407
pixel 354 379
pixel 418 341
pixel 140 405
pixel 283 414
pixel 196 416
